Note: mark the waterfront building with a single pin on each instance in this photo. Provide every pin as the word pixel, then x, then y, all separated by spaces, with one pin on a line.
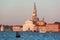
pixel 17 28
pixel 2 28
pixel 28 26
pixel 52 27
pixel 7 28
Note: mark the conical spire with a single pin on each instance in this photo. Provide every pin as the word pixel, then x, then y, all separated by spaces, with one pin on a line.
pixel 34 14
pixel 34 5
pixel 34 9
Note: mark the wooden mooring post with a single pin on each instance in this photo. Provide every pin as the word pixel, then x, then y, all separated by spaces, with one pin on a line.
pixel 17 35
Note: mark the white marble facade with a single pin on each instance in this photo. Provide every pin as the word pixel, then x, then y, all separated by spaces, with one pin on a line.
pixel 28 25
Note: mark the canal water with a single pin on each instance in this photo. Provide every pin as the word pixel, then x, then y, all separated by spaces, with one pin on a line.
pixel 29 36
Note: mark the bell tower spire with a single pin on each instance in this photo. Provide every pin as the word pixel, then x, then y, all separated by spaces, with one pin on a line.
pixel 34 10
pixel 34 13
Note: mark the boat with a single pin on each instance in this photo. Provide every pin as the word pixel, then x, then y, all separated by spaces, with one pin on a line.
pixel 42 31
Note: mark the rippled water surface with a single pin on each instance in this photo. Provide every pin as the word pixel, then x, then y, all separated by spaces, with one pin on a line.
pixel 29 36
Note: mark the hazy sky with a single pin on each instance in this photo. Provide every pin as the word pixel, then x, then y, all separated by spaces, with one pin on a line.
pixel 17 11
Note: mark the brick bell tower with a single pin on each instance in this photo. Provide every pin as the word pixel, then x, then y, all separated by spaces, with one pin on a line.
pixel 34 14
